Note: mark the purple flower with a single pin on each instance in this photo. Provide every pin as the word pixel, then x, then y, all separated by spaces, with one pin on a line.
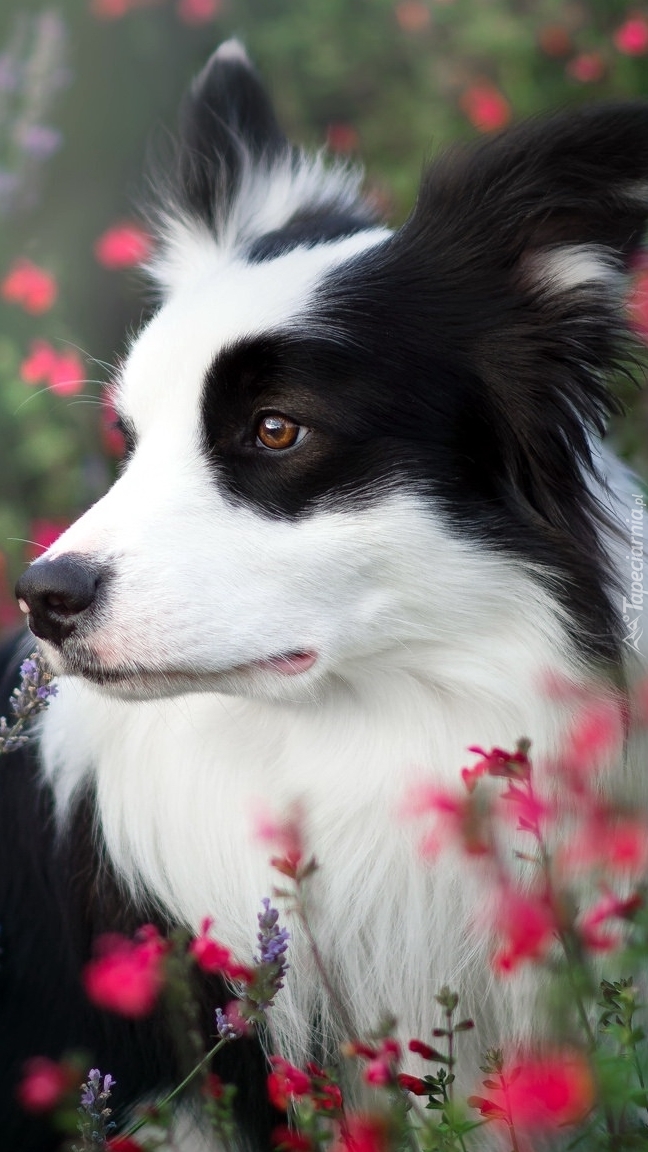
pixel 273 941
pixel 39 141
pixel 35 691
pixel 230 1025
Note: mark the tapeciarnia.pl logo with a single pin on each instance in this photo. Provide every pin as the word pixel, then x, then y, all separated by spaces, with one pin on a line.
pixel 633 606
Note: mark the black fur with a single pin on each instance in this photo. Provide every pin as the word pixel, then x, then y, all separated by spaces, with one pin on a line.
pixel 441 360
pixel 55 899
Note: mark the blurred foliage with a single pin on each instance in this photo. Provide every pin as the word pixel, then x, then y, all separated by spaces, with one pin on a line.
pixel 86 87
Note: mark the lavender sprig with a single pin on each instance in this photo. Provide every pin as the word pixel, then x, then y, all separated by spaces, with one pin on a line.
pixel 270 965
pixel 35 691
pixel 95 1123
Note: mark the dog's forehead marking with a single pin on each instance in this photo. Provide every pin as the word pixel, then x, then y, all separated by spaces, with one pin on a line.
pixel 163 377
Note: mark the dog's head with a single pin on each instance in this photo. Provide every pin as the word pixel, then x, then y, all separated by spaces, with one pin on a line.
pixel 346 441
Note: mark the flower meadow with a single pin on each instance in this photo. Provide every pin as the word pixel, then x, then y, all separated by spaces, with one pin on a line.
pixel 85 89
pixel 565 857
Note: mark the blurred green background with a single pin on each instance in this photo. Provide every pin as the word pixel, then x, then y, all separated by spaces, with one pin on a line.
pixel 86 87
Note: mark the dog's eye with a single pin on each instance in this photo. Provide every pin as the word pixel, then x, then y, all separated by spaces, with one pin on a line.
pixel 278 432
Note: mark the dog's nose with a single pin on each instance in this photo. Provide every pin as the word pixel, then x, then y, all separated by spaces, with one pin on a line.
pixel 55 593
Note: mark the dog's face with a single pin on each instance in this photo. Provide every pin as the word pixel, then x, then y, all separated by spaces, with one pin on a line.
pixel 343 440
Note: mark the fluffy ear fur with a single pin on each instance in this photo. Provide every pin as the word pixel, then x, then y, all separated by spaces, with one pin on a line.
pixel 531 233
pixel 239 185
pixel 227 123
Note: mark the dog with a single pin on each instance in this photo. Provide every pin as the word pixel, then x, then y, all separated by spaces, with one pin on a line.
pixel 365 510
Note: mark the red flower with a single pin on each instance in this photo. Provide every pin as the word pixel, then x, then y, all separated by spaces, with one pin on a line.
pixel 287 1138
pixel 199 12
pixel 423 1050
pixel 632 37
pixel 488 1108
pixel 587 67
pixel 123 246
pixel 326 1096
pixel 342 138
pixel 527 925
pixel 127 976
pixel 485 106
pixel 637 303
pixel 213 1086
pixel 554 40
pixel 123 1144
pixel 413 1084
pixel 286 1082
pixel 213 957
pixel 549 1091
pixel 412 15
pixel 29 286
pixel 43 1084
pixel 364 1134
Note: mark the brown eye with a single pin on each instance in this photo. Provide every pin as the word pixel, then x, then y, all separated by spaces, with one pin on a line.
pixel 279 432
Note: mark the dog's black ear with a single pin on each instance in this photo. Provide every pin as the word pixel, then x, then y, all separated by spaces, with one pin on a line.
pixel 227 123
pixel 526 239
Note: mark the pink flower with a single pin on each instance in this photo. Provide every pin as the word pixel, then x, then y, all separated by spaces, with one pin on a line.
pixel 609 907
pixel 127 975
pixel 42 359
pixel 29 286
pixel 526 925
pixel 109 9
pixel 42 534
pixel 43 1084
pixel 286 1083
pixel 587 67
pixel 485 106
pixel 497 762
pixel 596 736
pixel 381 1069
pixel 458 821
pixel 412 15
pixel 213 957
pixel 63 373
pixel 123 246
pixel 67 377
pixel 286 835
pixel 197 12
pixel 609 841
pixel 632 37
pixel 549 1091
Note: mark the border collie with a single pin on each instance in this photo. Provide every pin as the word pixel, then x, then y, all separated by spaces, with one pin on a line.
pixel 365 510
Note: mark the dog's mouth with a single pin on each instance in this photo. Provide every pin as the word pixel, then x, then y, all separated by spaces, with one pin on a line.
pixel 177 680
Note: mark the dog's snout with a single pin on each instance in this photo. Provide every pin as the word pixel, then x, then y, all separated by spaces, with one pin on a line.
pixel 56 592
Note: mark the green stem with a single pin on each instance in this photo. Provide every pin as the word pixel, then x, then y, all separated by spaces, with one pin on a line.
pixel 176 1091
pixel 509 1115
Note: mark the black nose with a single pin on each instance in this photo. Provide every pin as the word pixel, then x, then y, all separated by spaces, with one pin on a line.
pixel 56 592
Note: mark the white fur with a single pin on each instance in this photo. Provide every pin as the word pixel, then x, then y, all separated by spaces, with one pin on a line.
pixel 426 643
